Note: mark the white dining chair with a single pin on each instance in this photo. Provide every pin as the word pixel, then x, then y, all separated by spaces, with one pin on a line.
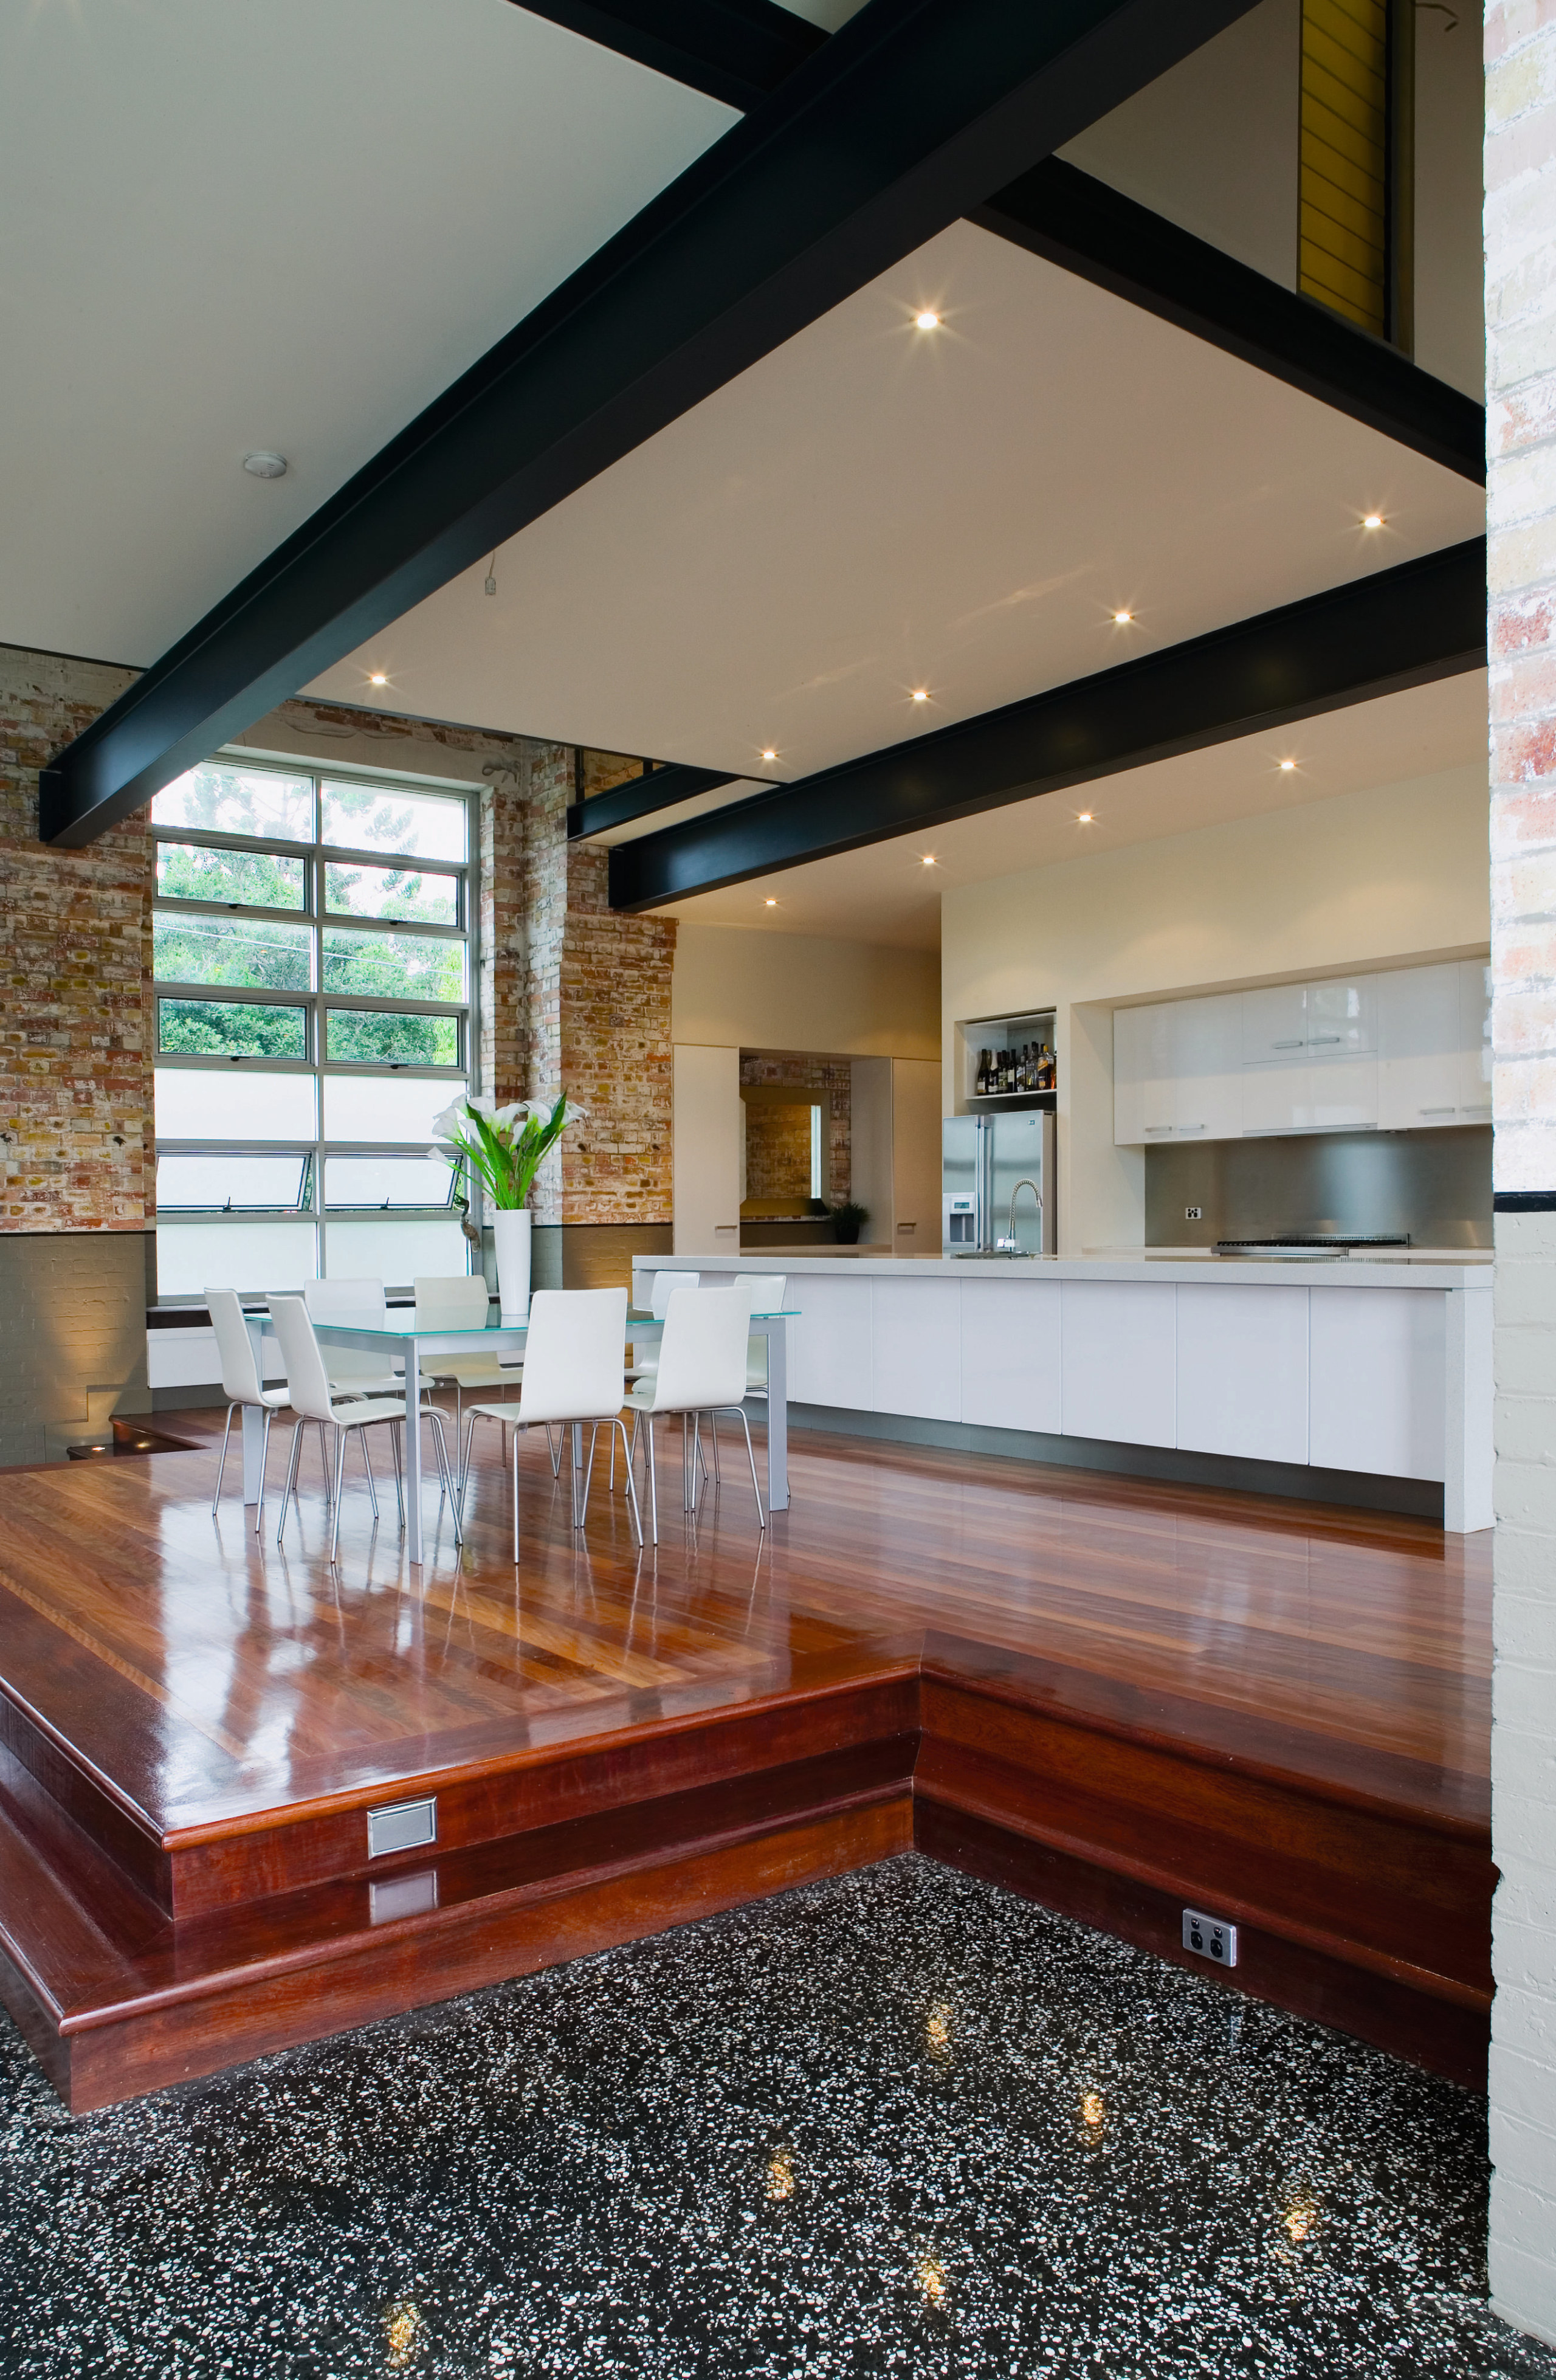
pixel 358 1369
pixel 241 1384
pixel 645 1352
pixel 701 1370
pixel 572 1377
pixel 311 1399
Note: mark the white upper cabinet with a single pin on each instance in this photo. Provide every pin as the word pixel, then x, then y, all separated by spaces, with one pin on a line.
pixel 1400 1051
pixel 1431 1036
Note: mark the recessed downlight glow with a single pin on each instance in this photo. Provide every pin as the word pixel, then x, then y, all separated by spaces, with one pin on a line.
pixel 1286 767
pixel 772 904
pixel 1121 619
pixel 1082 818
pixel 927 321
pixel 921 694
pixel 769 752
pixel 378 678
pixel 1373 520
pixel 928 858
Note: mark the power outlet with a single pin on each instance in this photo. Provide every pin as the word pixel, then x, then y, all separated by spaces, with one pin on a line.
pixel 1194 1214
pixel 1211 1937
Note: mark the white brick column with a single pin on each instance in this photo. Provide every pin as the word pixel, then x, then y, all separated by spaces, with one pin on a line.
pixel 1521 388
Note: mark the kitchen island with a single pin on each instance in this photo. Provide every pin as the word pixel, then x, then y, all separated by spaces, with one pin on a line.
pixel 1351 1370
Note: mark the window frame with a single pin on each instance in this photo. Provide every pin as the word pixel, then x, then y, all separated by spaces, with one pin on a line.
pixel 442 1082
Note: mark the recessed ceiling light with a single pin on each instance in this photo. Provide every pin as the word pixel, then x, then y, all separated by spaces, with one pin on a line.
pixel 929 859
pixel 1373 520
pixel 1287 765
pixel 772 904
pixel 378 677
pixel 1082 818
pixel 1123 618
pixel 265 466
pixel 927 321
pixel 769 754
pixel 921 694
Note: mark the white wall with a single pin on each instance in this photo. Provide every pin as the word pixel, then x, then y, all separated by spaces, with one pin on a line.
pixel 749 989
pixel 1213 145
pixel 1394 873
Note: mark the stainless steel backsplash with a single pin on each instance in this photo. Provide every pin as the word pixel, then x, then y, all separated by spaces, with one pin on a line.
pixel 1435 1185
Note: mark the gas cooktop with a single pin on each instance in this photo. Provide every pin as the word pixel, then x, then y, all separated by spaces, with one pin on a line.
pixel 1312 1244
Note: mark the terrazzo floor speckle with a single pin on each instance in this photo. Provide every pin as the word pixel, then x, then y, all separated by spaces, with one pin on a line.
pixel 898 2124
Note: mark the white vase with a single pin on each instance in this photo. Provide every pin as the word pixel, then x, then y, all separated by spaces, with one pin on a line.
pixel 510 1233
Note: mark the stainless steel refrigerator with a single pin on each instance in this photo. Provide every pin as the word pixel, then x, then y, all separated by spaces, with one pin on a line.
pixel 983 1161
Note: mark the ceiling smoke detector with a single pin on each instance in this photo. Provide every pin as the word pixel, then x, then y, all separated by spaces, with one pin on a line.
pixel 266 466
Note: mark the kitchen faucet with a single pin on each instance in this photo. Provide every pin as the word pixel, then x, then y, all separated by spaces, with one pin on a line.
pixel 1010 1244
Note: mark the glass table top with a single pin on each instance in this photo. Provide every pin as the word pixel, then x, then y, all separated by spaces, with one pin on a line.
pixel 641 1326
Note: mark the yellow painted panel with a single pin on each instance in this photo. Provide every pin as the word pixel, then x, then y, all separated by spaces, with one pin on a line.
pixel 1332 162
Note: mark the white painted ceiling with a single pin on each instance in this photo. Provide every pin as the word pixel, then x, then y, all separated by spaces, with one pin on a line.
pixel 885 893
pixel 290 226
pixel 875 508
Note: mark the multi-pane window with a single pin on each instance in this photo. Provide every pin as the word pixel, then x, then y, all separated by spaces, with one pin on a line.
pixel 312 947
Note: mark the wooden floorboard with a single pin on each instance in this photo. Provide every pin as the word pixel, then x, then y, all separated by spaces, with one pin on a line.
pixel 1127 1688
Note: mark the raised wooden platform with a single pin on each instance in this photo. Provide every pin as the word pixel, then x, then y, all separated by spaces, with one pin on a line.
pixel 1114 1697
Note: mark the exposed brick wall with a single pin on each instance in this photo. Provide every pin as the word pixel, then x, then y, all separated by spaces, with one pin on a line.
pixel 814 1075
pixel 1521 325
pixel 75 966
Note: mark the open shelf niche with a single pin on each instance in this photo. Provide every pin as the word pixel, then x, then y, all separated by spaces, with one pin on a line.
pixel 1005 1032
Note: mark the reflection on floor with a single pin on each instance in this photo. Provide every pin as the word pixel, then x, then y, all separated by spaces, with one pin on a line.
pixel 897 2122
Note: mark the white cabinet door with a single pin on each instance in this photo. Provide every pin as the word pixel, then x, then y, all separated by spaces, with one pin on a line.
pixel 1277 1099
pixel 1418 1043
pixel 1243 1371
pixel 1342 1017
pixel 1118 1361
pixel 916 1348
pixel 1276 1025
pixel 1129 1075
pixel 830 1344
pixel 1206 1051
pixel 1010 1353
pixel 1342 1094
pixel 1376 1381
pixel 1475 1042
pixel 705 1163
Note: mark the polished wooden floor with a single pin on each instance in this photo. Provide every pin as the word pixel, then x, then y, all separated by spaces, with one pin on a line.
pixel 1110 1693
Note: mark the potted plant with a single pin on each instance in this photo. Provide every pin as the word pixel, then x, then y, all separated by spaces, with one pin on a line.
pixel 848 1221
pixel 503 1148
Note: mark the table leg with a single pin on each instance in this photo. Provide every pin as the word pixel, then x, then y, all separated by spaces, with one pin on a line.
pixel 413 1453
pixel 777 1416
pixel 253 1419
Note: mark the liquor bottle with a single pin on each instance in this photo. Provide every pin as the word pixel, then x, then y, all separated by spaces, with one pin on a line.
pixel 1028 1079
pixel 980 1080
pixel 1004 1070
pixel 1047 1070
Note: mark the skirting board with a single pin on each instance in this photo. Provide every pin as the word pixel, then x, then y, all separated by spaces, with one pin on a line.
pixel 1364 1491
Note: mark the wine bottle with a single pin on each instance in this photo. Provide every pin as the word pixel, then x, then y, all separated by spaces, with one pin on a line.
pixel 1027 1080
pixel 981 1079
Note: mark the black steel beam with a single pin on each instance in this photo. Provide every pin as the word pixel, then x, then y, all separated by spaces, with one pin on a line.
pixel 659 788
pixel 901 122
pixel 1074 221
pixel 738 51
pixel 1373 636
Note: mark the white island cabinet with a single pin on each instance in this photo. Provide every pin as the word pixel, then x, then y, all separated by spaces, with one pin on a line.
pixel 1380 1367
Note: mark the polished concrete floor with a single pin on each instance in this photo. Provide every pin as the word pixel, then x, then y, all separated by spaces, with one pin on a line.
pixel 901 2122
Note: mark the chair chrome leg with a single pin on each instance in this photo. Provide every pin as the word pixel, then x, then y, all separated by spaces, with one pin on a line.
pixel 714 1426
pixel 631 1483
pixel 447 1475
pixel 399 1472
pixel 264 1458
pixel 292 1462
pixel 750 1457
pixel 588 1474
pixel 366 1465
pixel 340 1479
pixel 223 1464
pixel 515 1492
pixel 554 1447
pixel 653 1480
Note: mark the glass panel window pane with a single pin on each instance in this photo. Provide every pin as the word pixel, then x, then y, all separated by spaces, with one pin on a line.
pixel 387 1182
pixel 380 818
pixel 392 1250
pixel 211 1103
pixel 383 1108
pixel 231 1182
pixel 376 1036
pixel 225 799
pixel 391 892
pixel 248 880
pixel 257 951
pixel 230 1029
pixel 392 967
pixel 250 1257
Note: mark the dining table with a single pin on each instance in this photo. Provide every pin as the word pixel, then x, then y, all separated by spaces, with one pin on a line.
pixel 416 1349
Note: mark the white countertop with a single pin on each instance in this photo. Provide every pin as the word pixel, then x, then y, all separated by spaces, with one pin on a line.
pixel 1401 1268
